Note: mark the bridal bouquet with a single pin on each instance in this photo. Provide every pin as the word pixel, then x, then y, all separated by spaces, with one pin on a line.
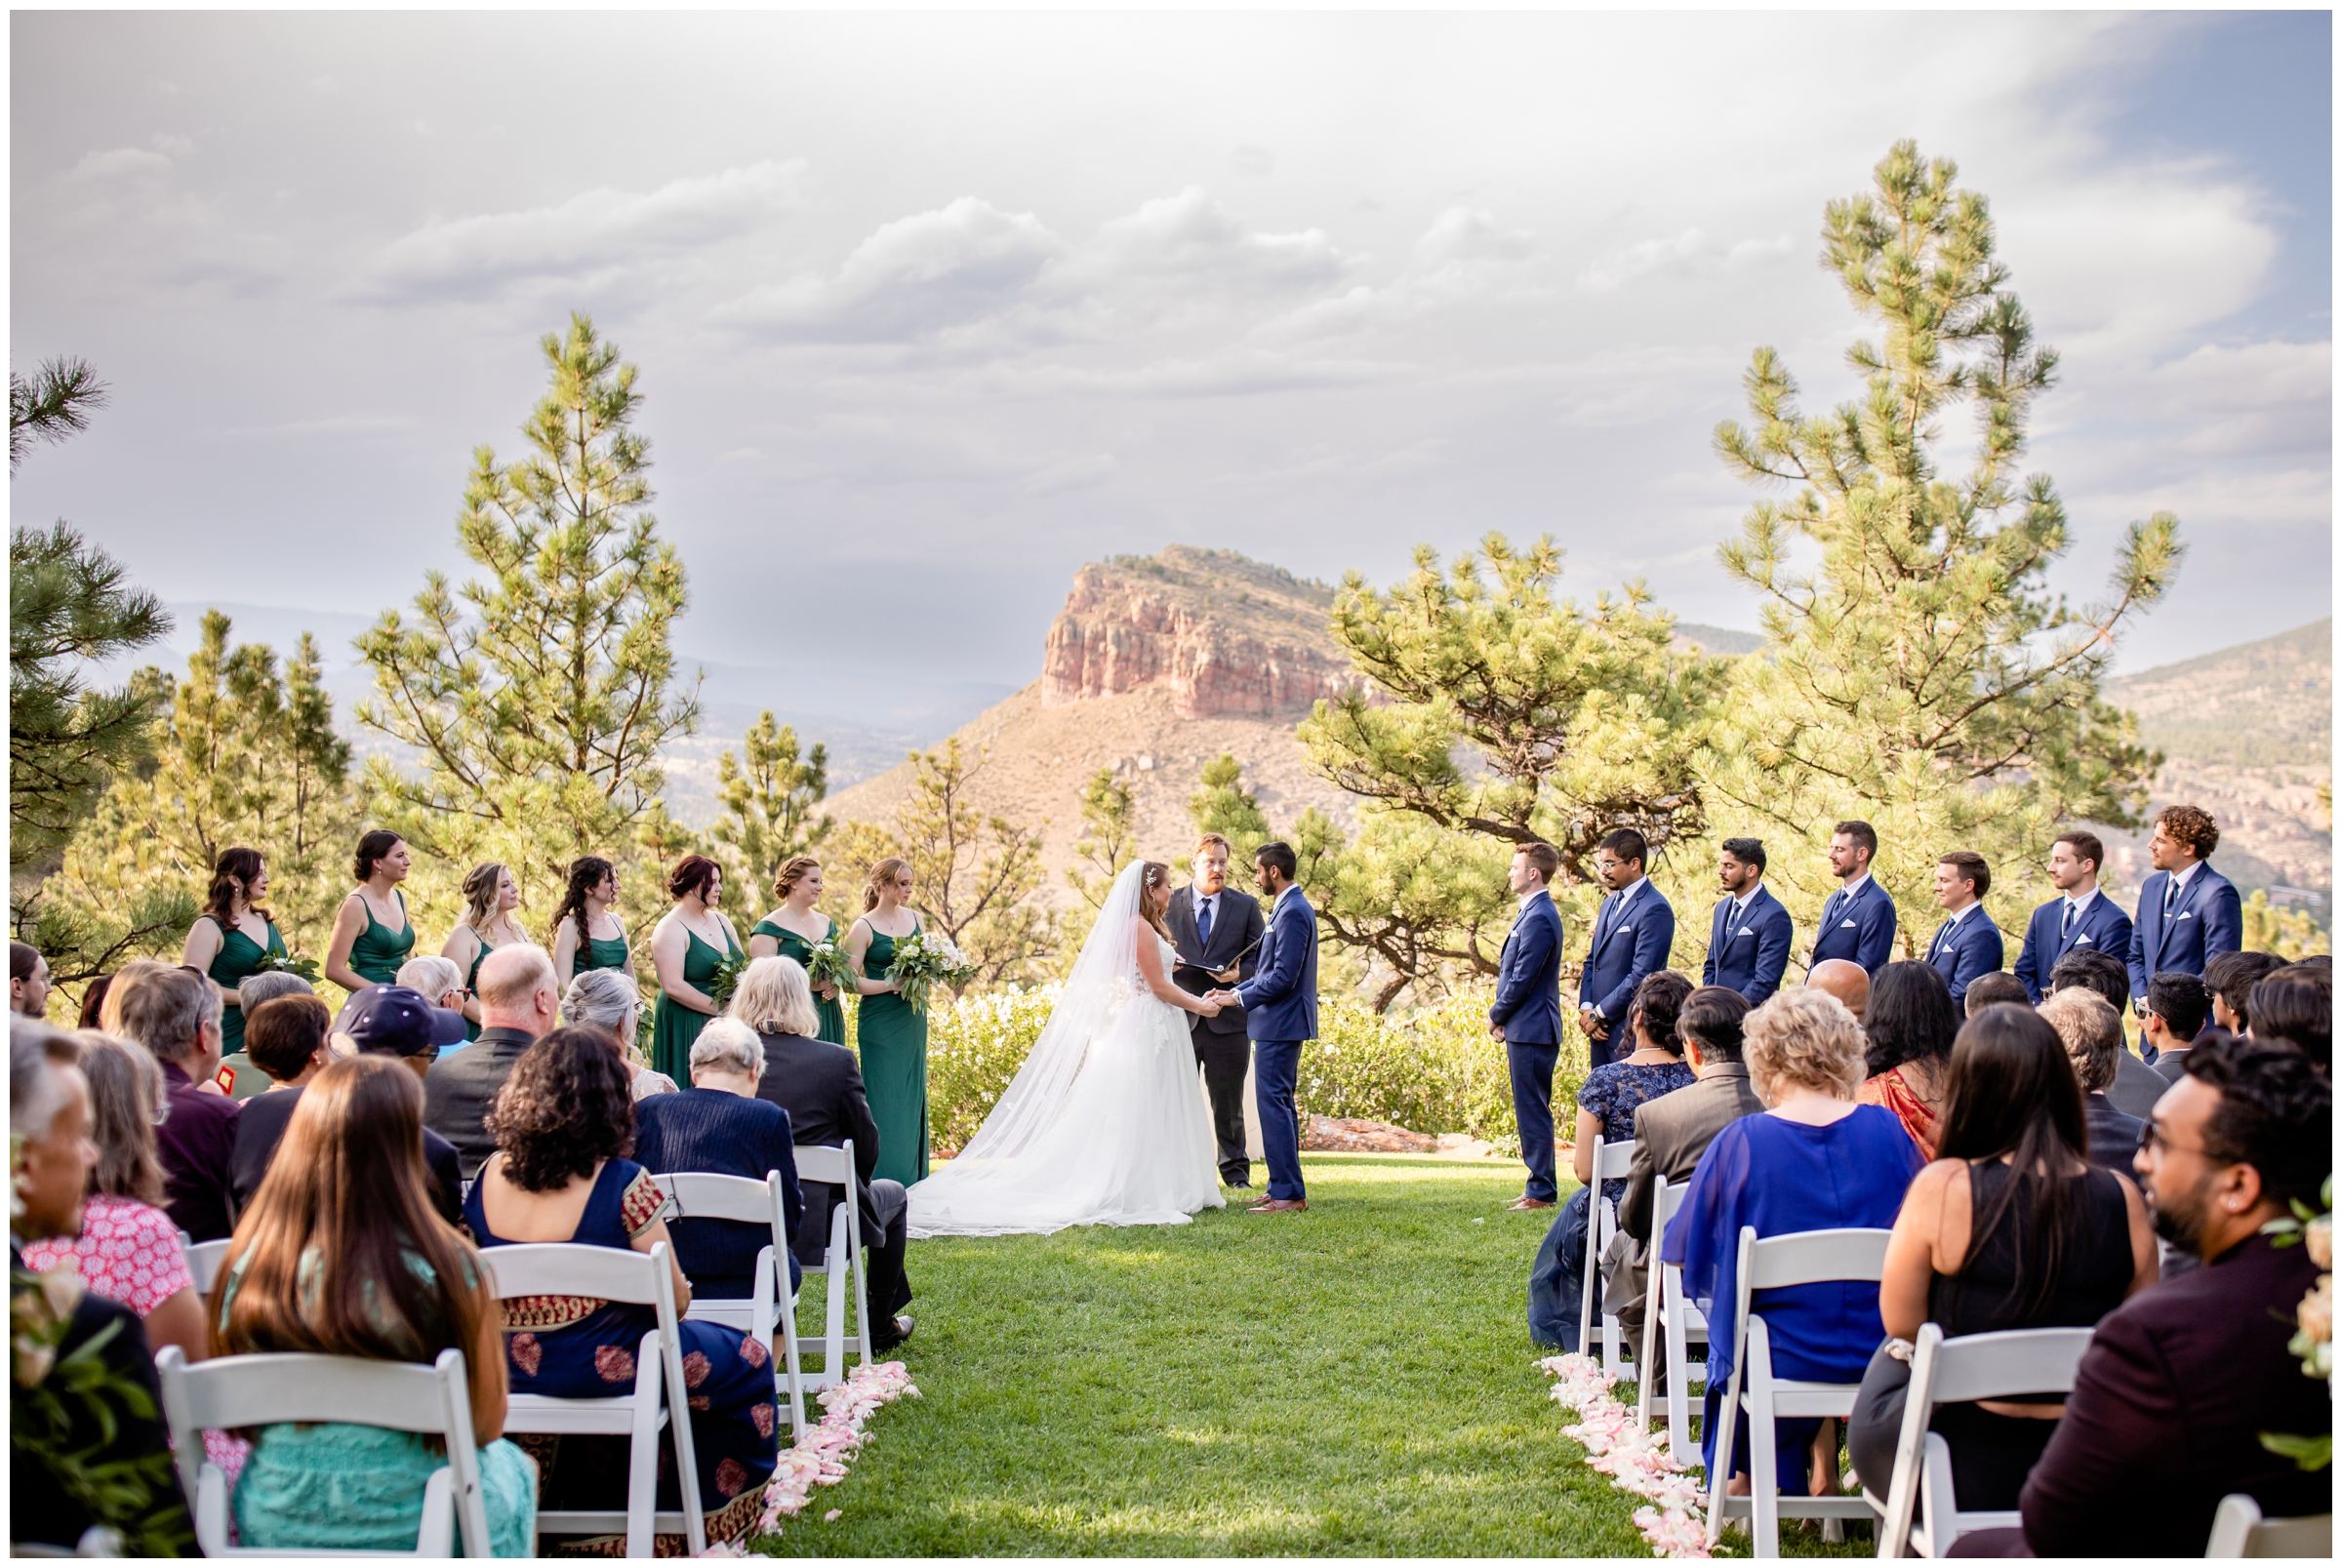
pixel 924 959
pixel 829 964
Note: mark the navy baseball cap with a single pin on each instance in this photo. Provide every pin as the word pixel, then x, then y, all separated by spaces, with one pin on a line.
pixel 396 1021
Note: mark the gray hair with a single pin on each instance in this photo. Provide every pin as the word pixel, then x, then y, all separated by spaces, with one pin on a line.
pixel 166 1009
pixel 774 997
pixel 268 986
pixel 727 1045
pixel 603 998
pixel 36 1092
pixel 431 975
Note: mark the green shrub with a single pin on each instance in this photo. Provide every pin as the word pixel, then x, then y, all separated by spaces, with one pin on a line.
pixel 975 1045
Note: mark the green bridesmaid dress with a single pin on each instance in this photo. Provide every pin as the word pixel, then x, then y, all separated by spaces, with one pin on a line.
pixel 596 954
pixel 379 950
pixel 834 1011
pixel 894 1069
pixel 673 1026
pixel 239 957
pixel 471 983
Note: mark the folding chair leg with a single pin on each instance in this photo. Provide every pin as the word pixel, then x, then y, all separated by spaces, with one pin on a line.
pixel 1642 1361
pixel 1764 1481
pixel 1678 1368
pixel 642 1460
pixel 792 1372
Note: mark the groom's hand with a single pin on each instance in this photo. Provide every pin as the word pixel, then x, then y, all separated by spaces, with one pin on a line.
pixel 1226 975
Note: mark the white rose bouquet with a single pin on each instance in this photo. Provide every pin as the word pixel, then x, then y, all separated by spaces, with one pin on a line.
pixel 925 959
pixel 829 964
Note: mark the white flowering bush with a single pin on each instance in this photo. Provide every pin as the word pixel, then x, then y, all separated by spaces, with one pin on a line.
pixel 975 1046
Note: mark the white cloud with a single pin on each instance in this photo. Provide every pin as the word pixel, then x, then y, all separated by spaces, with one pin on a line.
pixel 1074 473
pixel 1689 252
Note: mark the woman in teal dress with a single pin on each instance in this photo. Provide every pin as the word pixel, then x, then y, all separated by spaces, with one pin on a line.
pixel 229 942
pixel 488 924
pixel 587 934
pixel 372 933
pixel 689 940
pixel 792 930
pixel 353 1172
pixel 893 1039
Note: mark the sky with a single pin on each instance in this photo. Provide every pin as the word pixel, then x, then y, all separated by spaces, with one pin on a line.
pixel 931 310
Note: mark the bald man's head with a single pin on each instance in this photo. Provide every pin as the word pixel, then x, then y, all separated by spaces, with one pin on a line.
pixel 517 989
pixel 1844 980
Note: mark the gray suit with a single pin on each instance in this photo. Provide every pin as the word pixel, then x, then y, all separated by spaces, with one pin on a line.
pixel 1670 1134
pixel 461 1090
pixel 2136 1087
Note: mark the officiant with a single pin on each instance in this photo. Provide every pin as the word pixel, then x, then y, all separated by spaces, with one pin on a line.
pixel 1218 933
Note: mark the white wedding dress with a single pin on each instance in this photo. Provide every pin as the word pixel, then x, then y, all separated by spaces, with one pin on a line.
pixel 1106 1121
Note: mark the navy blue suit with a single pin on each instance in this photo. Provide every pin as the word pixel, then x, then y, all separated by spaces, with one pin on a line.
pixel 2208 919
pixel 2101 928
pixel 1280 1012
pixel 1751 956
pixel 1626 947
pixel 1861 929
pixel 1529 1009
pixel 1965 949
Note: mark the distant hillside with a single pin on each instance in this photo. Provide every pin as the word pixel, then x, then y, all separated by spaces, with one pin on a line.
pixel 2261 704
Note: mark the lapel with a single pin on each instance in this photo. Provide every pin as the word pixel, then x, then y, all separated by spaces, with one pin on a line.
pixel 1606 922
pixel 2082 925
pixel 1720 929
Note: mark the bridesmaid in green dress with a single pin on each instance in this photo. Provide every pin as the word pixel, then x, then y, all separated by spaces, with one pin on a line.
pixel 372 933
pixel 689 940
pixel 488 924
pixel 893 1039
pixel 587 934
pixel 228 942
pixel 792 930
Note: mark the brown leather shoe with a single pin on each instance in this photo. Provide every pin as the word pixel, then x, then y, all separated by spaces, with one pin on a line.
pixel 1280 1206
pixel 1521 1203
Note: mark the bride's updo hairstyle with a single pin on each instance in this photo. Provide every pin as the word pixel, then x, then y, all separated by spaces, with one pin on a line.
pixel 881 875
pixel 1155 894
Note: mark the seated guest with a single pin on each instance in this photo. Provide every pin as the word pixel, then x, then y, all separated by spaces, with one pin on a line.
pixel 175 1014
pixel 438 981
pixel 2296 1004
pixel 2172 1014
pixel 820 1085
pixel 2092 1035
pixel 246 1077
pixel 564 1125
pixel 126 1249
pixel 2231 977
pixel 289 1045
pixel 1911 1026
pixel 1815 1160
pixel 718 1125
pixel 1606 1104
pixel 1845 979
pixel 1673 1132
pixel 2012 1229
pixel 2180 1381
pixel 1993 989
pixel 27 980
pixel 108 1422
pixel 609 1000
pixel 342 1255
pixel 518 1002
pixel 93 1002
pixel 2136 1086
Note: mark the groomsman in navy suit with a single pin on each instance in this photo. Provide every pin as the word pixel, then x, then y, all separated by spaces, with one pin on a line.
pixel 1632 938
pixel 2081 917
pixel 1858 923
pixel 1750 940
pixel 2187 910
pixel 1527 1015
pixel 1280 1014
pixel 1968 944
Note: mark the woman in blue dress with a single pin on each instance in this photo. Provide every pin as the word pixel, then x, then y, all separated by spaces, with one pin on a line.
pixel 1815 1160
pixel 564 1124
pixel 341 1254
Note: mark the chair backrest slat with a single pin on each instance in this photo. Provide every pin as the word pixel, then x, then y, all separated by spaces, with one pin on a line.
pixel 2003 1365
pixel 251 1390
pixel 1665 1198
pixel 1810 1257
pixel 566 1268
pixel 204 1260
pixel 1612 1160
pixel 817 1162
pixel 706 1195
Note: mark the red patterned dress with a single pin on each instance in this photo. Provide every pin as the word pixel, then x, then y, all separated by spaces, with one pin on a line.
pixel 582 1347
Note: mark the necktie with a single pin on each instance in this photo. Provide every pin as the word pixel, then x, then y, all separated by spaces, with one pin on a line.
pixel 1203 921
pixel 2170 895
pixel 2066 927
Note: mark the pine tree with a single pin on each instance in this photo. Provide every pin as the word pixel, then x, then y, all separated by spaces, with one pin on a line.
pixel 1224 806
pixel 538 695
pixel 1920 674
pixel 53 403
pixel 769 802
pixel 1109 839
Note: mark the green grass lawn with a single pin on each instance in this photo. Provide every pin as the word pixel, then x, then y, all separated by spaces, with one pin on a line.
pixel 1352 1381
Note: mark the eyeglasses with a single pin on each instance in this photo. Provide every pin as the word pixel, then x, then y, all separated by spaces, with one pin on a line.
pixel 2154 1142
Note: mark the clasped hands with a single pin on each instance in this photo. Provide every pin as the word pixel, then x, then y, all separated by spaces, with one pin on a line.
pixel 1216 1000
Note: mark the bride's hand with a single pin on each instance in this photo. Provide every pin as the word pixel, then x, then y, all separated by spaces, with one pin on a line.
pixel 1207 1007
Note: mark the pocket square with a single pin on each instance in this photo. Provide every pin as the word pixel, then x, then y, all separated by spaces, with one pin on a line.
pixel 2078 940
pixel 2184 915
pixel 1845 925
pixel 1745 931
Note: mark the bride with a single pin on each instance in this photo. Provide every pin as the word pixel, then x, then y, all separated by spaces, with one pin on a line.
pixel 1104 1123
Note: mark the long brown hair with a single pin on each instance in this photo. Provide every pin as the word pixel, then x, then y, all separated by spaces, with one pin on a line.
pixel 235 865
pixel 1154 877
pixel 481 887
pixel 349 1182
pixel 125 1089
pixel 881 874
pixel 585 873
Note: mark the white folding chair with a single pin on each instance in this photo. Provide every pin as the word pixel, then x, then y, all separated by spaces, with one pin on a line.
pixel 1776 1262
pixel 705 1195
pixel 1610 1160
pixel 258 1390
pixel 1944 1372
pixel 1666 1310
pixel 2239 1531
pixel 204 1259
pixel 835 1167
pixel 612 1274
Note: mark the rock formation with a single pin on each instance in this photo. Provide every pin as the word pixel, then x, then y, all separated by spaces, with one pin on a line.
pixel 1219 633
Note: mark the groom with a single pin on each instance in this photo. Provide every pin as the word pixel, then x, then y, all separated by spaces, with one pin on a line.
pixel 1222 930
pixel 1280 1014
